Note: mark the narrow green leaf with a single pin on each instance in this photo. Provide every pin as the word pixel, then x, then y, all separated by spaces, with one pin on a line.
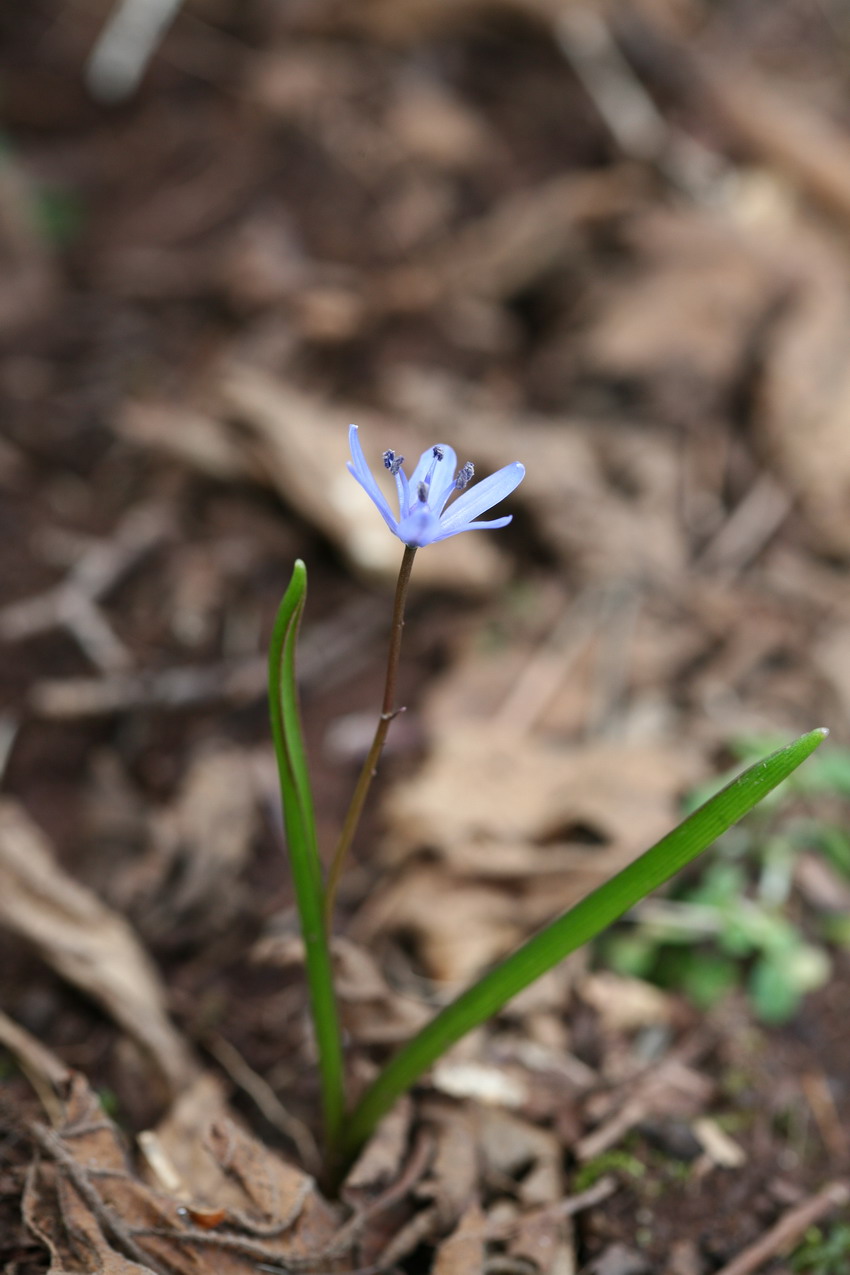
pixel 570 931
pixel 300 823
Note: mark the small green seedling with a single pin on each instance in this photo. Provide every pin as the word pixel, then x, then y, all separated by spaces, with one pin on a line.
pixel 426 516
pixel 732 927
pixel 824 1252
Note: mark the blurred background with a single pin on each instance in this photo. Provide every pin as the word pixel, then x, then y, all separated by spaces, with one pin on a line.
pixel 609 240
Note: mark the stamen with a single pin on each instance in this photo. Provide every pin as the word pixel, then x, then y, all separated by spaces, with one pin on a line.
pixel 392 462
pixel 437 453
pixel 422 492
pixel 465 476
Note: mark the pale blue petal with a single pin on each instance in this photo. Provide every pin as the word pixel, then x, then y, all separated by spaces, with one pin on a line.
pixel 403 487
pixel 481 497
pixel 360 470
pixel 443 482
pixel 420 473
pixel 420 528
pixel 489 524
pixel 443 479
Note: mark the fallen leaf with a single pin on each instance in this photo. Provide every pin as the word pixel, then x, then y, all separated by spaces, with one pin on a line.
pixel 200 844
pixel 237 1202
pixel 463 1251
pixel 85 942
pixel 625 1004
pixel 804 394
pixel 492 807
pixel 675 323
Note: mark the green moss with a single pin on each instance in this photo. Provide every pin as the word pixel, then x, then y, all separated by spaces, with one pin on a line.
pixel 608 1162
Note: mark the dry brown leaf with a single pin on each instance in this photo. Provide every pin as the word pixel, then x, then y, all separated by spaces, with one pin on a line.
pixel 188 434
pixel 86 943
pixel 805 391
pixel 778 125
pixel 462 1253
pixel 47 1074
pixel 625 1004
pixel 458 928
pixel 455 1167
pixel 680 321
pixel 514 836
pixel 233 1202
pixel 61 1219
pixel 82 1200
pixel 447 1178
pixel 527 236
pixel 832 658
pixel 510 1144
pixel 221 1166
pixel 200 844
pixel 544 1240
pixel 381 1160
pixel 43 1067
pixel 371 1010
pixel 183 1142
pixel 499 1086
pixel 436 127
pixel 491 807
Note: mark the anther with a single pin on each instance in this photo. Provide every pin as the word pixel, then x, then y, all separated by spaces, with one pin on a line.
pixel 465 476
pixel 437 452
pixel 422 492
pixel 392 462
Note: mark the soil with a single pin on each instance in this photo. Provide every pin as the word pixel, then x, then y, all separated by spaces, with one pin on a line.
pixel 437 221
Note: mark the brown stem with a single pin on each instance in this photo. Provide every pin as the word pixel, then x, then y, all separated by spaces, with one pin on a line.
pixel 388 712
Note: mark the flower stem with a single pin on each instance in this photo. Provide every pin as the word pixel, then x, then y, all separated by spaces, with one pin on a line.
pixel 388 712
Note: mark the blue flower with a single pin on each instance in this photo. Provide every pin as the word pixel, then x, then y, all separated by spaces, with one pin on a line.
pixel 423 498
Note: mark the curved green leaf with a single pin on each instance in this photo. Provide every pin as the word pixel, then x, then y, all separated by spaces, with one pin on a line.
pixel 570 931
pixel 300 824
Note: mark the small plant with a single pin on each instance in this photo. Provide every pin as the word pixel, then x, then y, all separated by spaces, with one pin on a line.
pixel 426 516
pixel 731 927
pixel 824 1253
pixel 615 1161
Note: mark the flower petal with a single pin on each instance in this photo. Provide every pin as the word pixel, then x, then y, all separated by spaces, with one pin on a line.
pixel 491 524
pixel 403 488
pixel 420 528
pixel 361 471
pixel 420 473
pixel 481 497
pixel 443 482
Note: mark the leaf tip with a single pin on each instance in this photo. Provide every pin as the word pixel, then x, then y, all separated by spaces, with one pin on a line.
pixel 298 580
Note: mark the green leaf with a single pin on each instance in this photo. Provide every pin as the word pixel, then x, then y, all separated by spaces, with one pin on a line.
pixel 707 977
pixel 570 931
pixel 780 979
pixel 300 824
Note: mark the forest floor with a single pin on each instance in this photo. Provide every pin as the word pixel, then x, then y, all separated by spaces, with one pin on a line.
pixel 607 240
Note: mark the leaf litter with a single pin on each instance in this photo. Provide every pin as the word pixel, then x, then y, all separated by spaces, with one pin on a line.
pixel 437 220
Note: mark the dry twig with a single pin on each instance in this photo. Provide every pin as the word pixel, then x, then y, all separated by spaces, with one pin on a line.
pixel 789 1229
pixel 73 604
